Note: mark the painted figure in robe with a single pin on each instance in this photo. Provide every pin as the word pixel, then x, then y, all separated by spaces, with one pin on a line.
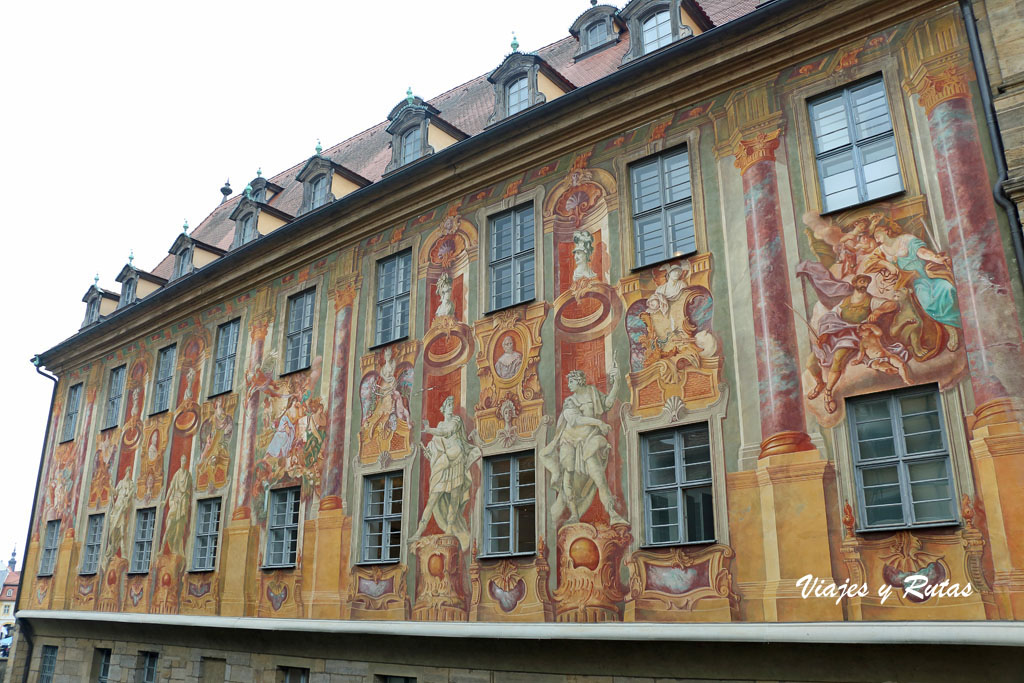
pixel 179 502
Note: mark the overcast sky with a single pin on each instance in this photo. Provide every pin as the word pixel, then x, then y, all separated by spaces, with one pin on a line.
pixel 120 120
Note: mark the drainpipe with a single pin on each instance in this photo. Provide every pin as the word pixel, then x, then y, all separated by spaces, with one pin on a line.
pixel 971 24
pixel 22 625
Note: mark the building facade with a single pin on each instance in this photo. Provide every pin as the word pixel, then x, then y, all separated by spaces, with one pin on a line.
pixel 717 314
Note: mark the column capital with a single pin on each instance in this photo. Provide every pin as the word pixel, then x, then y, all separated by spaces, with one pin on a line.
pixel 760 147
pixel 258 329
pixel 941 83
pixel 344 295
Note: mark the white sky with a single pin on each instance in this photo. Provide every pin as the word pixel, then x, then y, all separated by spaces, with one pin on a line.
pixel 118 120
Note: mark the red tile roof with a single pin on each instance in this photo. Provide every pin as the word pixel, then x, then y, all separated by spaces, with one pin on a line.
pixel 466 107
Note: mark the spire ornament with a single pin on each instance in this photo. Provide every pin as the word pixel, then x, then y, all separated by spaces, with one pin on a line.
pixel 96 281
pixel 184 227
pixel 319 148
pixel 515 42
pixel 131 257
pixel 409 97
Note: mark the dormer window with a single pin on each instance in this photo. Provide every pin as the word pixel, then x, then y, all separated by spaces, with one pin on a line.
pixel 247 229
pixel 596 29
pixel 412 145
pixel 183 262
pixel 417 130
pixel 318 192
pixel 127 292
pixel 596 35
pixel 657 31
pixel 517 94
pixel 98 302
pixel 92 311
pixel 324 181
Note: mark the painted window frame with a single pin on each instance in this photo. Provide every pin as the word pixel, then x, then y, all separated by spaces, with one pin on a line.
pixel 679 484
pixel 855 146
pixel 283 531
pixel 207 535
pixel 50 547
pixel 529 255
pixel 396 332
pixel 70 425
pixel 224 359
pixel 47 664
pixel 142 540
pixel 387 518
pixel 669 249
pixel 93 547
pixel 300 334
pixel 163 384
pixel 512 506
pixel 115 392
pixel 902 460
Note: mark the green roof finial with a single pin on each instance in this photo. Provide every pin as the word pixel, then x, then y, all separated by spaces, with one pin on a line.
pixel 96 280
pixel 131 257
pixel 184 227
pixel 318 147
pixel 515 42
pixel 409 97
pixel 248 191
pixel 259 172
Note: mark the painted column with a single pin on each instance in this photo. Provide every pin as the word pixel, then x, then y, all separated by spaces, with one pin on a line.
pixel 243 493
pixel 991 326
pixel 778 371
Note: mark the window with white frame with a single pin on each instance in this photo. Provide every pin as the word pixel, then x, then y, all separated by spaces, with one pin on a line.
pixel 51 541
pixel 318 191
pixel 901 457
pixel 183 262
pixel 47 664
pixel 224 358
pixel 854 145
pixel 147 666
pixel 204 551
pixel 511 258
pixel 115 388
pixel 142 548
pixel 510 509
pixel 92 310
pixel 127 292
pixel 382 517
pixel 164 375
pixel 102 665
pixel 283 527
pixel 678 499
pixel 394 282
pixel 662 207
pixel 656 31
pixel 597 34
pixel 412 145
pixel 299 333
pixel 247 229
pixel 71 413
pixel 517 95
pixel 93 544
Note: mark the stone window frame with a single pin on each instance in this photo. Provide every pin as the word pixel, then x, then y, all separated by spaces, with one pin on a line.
pixel 952 404
pixel 92 307
pixel 797 100
pixel 516 66
pixel 129 290
pixel 242 226
pixel 635 13
pixel 482 219
pixel 183 262
pixel 47 663
pixel 690 137
pixel 404 117
pixel 319 166
pixel 580 29
pixel 294 288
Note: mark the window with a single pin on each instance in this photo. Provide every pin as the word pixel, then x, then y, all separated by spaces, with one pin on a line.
pixel 292 674
pixel 318 192
pixel 164 375
pixel 517 95
pixel 50 543
pixel 114 390
pixel 283 527
pixel 102 665
pixel 224 360
pixel 147 666
pixel 93 544
pixel 145 521
pixel 204 553
pixel 394 279
pixel 662 207
pixel 597 34
pixel 509 518
pixel 7 609
pixel 212 670
pixel 511 257
pixel 299 335
pixel 92 310
pixel 393 679
pixel 382 517
pixel 411 145
pixel 247 229
pixel 657 31
pixel 183 262
pixel 47 664
pixel 127 292
pixel 71 413
pixel 854 145
pixel 678 504
pixel 902 459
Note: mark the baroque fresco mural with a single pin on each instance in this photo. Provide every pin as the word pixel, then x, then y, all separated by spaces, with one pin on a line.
pixel 831 306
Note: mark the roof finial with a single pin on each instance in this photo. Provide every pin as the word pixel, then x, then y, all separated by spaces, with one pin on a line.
pixel 409 97
pixel 96 280
pixel 259 172
pixel 515 42
pixel 248 191
pixel 319 148
pixel 131 257
pixel 184 227
pixel 225 191
pixel 593 3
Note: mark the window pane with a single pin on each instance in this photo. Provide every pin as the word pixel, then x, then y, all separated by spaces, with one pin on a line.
pixel 650 238
pixel 526 478
pixel 680 223
pixel 870 110
pixel 881 168
pixel 646 189
pixel 839 180
pixel 657 31
pixel 677 177
pixel 885 515
pixel 828 121
pixel 525 529
pixel 500 481
pixel 699 514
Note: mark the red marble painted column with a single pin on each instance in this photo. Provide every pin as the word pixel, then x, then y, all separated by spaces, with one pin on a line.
pixel 333 471
pixel 783 425
pixel 991 327
pixel 243 491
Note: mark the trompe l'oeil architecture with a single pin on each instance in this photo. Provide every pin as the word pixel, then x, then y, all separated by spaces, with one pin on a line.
pixel 719 299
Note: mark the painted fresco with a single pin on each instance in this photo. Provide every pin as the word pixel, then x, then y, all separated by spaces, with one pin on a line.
pixel 762 341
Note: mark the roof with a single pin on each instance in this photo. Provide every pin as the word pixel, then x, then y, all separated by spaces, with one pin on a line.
pixel 467 107
pixel 12 579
